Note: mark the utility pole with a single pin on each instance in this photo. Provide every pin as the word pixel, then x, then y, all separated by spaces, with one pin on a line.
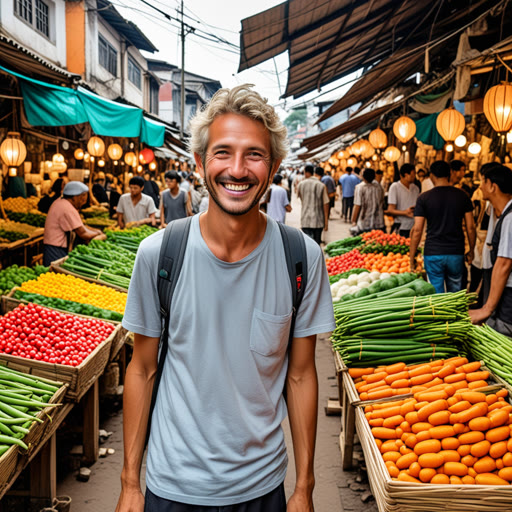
pixel 182 112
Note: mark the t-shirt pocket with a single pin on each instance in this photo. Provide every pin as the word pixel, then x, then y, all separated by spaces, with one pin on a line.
pixel 269 333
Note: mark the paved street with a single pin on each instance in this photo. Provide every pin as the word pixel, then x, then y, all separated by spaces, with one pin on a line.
pixel 335 490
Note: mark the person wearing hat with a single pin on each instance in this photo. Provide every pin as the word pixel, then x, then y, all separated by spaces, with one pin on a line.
pixel 63 219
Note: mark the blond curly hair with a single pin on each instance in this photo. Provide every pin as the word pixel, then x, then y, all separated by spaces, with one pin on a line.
pixel 246 102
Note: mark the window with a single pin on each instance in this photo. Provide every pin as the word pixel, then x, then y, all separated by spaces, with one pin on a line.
pixel 35 13
pixel 134 74
pixel 107 55
pixel 42 18
pixel 153 98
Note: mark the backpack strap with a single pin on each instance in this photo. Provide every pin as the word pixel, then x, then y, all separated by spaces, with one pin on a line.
pixel 496 237
pixel 297 263
pixel 170 262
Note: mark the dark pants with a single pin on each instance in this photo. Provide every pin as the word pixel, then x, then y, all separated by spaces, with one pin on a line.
pixel 347 205
pixel 404 232
pixel 52 253
pixel 274 501
pixel 314 233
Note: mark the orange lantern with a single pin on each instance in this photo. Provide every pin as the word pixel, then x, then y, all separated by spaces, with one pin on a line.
pixel 391 154
pixel 13 150
pixel 498 107
pixel 130 158
pixel 404 129
pixel 79 154
pixel 115 151
pixel 96 146
pixel 378 138
pixel 450 124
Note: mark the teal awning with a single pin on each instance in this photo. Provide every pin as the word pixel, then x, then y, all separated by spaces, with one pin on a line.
pixel 52 105
pixel 427 133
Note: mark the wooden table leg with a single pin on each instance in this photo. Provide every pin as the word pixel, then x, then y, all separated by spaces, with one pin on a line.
pixel 350 429
pixel 91 424
pixel 43 475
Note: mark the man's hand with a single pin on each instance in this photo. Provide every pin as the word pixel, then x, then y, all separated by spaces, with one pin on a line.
pixel 470 256
pixel 130 501
pixel 300 501
pixel 409 212
pixel 326 226
pixel 412 264
pixel 478 316
pixel 101 236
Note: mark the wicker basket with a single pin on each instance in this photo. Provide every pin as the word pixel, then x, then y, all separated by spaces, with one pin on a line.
pixel 15 458
pixel 118 343
pixel 78 378
pixel 56 267
pixel 395 496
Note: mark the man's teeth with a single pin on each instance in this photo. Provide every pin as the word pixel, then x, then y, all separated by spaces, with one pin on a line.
pixel 236 188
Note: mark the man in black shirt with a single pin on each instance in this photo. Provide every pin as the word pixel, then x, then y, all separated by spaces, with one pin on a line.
pixel 444 208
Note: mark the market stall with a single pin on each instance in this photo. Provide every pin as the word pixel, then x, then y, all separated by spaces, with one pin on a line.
pixel 426 391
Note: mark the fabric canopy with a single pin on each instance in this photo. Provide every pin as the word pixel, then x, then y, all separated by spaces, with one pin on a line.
pixel 51 105
pixel 427 133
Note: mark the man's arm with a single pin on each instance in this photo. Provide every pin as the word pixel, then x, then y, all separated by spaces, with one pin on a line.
pixel 416 232
pixel 471 232
pixel 302 401
pixel 188 206
pixel 395 213
pixel 355 213
pixel 138 388
pixel 500 274
pixel 120 220
pixel 288 208
pixel 87 234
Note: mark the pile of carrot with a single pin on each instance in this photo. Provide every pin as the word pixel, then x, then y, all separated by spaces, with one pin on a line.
pixel 399 379
pixel 445 436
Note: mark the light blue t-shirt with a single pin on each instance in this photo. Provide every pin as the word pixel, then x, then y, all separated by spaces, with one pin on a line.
pixel 276 207
pixel 216 436
pixel 348 184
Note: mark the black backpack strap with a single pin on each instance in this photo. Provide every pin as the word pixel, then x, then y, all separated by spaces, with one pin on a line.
pixel 496 237
pixel 297 263
pixel 170 262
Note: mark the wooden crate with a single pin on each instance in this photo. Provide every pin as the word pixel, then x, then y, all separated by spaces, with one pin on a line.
pixel 78 378
pixel 56 267
pixel 395 496
pixel 16 458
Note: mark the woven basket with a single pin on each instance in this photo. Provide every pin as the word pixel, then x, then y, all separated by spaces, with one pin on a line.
pixel 78 378
pixel 55 266
pixel 395 496
pixel 118 343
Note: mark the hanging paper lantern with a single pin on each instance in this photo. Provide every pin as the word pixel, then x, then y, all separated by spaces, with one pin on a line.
pixel 368 150
pixel 474 148
pixel 130 158
pixel 58 158
pixel 79 154
pixel 498 107
pixel 115 151
pixel 460 141
pixel 378 138
pixel 146 156
pixel 152 166
pixel 101 162
pixel 12 150
pixel 340 154
pixel 357 148
pixel 96 146
pixel 351 162
pixel 391 154
pixel 404 129
pixel 450 124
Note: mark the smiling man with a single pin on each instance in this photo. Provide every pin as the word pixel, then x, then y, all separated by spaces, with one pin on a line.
pixel 216 441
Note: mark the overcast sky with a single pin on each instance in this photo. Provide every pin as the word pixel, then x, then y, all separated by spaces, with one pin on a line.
pixel 213 59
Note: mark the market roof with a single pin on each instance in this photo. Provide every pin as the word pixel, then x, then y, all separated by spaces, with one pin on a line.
pixel 329 40
pixel 125 27
pixel 16 56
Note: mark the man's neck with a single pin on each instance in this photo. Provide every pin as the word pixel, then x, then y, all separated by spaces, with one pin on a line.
pixel 136 199
pixel 174 191
pixel 230 237
pixel 405 183
pixel 72 203
pixel 499 202
pixel 440 182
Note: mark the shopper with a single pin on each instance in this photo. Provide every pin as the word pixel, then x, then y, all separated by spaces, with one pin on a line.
pixel 216 439
pixel 314 215
pixel 135 207
pixel 402 198
pixel 64 219
pixel 444 208
pixel 457 171
pixel 330 184
pixel 496 187
pixel 348 183
pixel 99 190
pixel 368 204
pixel 47 200
pixel 175 201
pixel 278 204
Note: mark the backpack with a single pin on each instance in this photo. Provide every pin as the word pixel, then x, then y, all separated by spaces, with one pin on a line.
pixel 170 263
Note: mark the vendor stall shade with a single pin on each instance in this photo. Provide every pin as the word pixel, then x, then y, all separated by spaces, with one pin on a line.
pixel 427 133
pixel 51 105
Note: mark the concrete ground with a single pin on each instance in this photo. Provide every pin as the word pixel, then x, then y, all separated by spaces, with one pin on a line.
pixel 335 489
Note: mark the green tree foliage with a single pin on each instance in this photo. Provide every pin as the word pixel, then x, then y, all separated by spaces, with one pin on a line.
pixel 296 118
